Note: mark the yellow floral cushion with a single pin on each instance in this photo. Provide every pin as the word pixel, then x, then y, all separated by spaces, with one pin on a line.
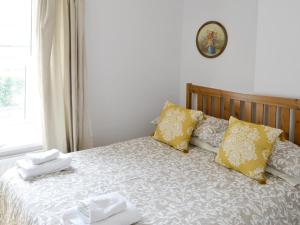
pixel 246 148
pixel 176 125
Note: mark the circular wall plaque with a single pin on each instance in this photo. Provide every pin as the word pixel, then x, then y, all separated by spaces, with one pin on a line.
pixel 211 39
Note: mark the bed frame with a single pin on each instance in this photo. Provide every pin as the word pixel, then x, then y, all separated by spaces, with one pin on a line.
pixel 283 113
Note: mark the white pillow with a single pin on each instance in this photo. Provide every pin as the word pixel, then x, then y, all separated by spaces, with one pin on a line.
pixel 201 144
pixel 294 181
pixel 211 130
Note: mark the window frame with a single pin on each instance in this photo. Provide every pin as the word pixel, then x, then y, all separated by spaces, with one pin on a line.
pixel 7 151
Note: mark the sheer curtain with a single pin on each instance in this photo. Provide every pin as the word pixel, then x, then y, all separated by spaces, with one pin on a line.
pixel 62 71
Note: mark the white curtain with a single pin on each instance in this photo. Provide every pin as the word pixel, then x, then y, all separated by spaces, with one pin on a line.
pixel 62 69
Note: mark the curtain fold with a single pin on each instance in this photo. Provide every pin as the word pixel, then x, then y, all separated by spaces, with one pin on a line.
pixel 62 72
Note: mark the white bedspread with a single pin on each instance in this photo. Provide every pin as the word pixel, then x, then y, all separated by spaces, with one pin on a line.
pixel 167 186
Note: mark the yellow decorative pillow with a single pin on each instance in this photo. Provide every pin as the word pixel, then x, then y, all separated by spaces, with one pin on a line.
pixel 176 125
pixel 246 148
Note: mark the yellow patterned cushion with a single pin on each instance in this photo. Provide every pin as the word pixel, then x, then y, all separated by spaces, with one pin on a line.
pixel 246 148
pixel 176 126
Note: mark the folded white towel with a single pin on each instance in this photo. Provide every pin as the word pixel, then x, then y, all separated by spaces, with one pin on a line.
pixel 42 157
pixel 27 170
pixel 101 207
pixel 126 217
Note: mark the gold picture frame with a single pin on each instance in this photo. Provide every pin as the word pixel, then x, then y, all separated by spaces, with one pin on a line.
pixel 211 39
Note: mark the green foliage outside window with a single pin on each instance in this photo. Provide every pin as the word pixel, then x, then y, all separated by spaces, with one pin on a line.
pixel 10 87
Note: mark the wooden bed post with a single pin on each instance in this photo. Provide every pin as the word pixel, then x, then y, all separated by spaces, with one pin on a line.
pixel 188 96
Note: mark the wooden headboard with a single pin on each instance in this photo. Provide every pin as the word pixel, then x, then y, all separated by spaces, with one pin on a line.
pixel 283 113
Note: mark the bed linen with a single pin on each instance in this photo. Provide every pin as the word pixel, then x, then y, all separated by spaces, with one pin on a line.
pixel 167 186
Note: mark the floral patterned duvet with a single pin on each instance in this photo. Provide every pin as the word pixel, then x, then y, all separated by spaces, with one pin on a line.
pixel 167 186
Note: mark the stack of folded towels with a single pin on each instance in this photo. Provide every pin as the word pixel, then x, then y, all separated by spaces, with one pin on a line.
pixel 107 209
pixel 41 163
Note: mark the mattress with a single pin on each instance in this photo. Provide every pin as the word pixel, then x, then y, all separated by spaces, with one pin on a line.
pixel 167 186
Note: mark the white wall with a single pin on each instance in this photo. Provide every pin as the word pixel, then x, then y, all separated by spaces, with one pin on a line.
pixel 234 69
pixel 262 55
pixel 142 52
pixel 133 57
pixel 278 48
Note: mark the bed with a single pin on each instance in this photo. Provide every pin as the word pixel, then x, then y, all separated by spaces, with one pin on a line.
pixel 167 186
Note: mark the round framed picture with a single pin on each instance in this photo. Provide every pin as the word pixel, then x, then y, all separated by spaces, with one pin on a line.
pixel 211 39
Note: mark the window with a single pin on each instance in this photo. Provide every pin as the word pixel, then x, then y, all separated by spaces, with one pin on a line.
pixel 20 125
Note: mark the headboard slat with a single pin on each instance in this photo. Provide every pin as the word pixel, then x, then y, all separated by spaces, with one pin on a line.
pixel 236 109
pixel 226 108
pixel 247 112
pixel 217 107
pixel 208 105
pixel 222 107
pixel 285 121
pixel 265 114
pixel 204 104
pixel 278 119
pixel 213 108
pixel 272 116
pixel 273 111
pixel 259 113
pixel 199 102
pixel 242 110
pixel 231 107
pixel 292 125
pixel 253 112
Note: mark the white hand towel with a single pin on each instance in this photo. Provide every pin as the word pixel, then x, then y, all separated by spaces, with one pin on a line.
pixel 42 157
pixel 100 207
pixel 27 170
pixel 127 217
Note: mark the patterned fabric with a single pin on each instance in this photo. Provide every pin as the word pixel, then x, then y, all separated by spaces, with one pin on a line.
pixel 176 125
pixel 211 130
pixel 292 180
pixel 286 158
pixel 168 188
pixel 246 148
